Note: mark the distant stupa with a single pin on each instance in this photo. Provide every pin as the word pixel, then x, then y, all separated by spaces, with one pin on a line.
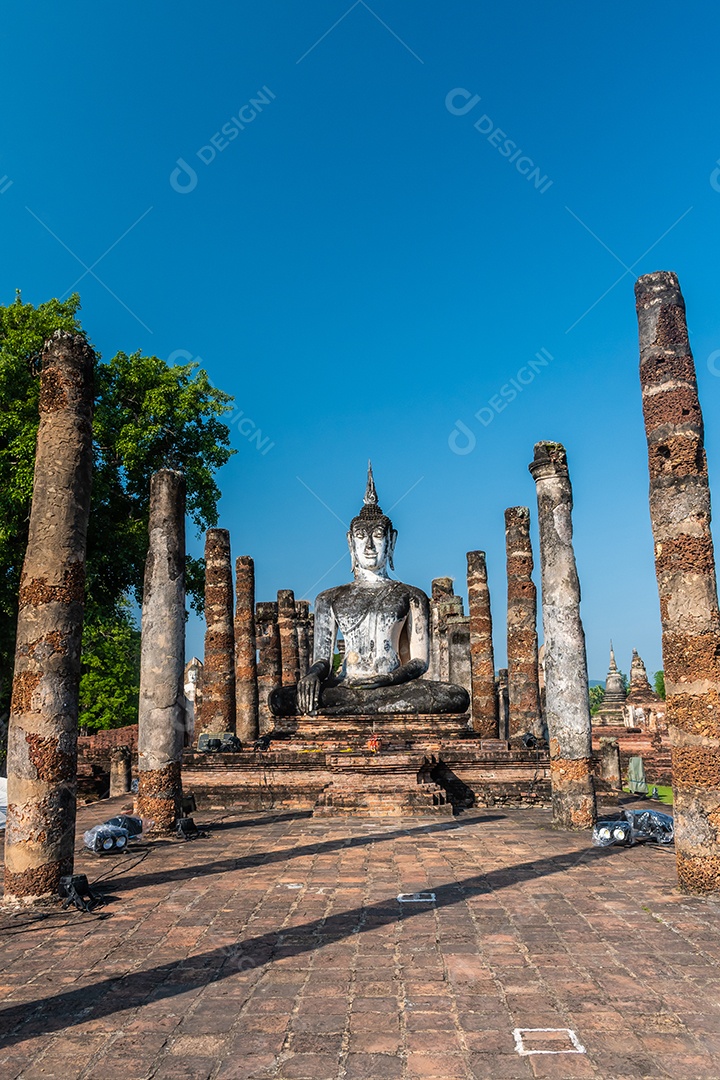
pixel 611 712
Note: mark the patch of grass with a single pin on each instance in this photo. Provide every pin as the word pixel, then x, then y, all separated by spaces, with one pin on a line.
pixel 664 792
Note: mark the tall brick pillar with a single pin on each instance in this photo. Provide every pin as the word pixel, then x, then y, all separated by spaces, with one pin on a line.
pixel 302 608
pixel 482 659
pixel 567 706
pixel 287 626
pixel 269 666
pixel 42 738
pixel 685 569
pixel 246 682
pixel 522 638
pixel 218 704
pixel 161 716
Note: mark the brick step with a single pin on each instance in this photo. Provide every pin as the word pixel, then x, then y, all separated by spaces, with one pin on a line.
pixel 360 794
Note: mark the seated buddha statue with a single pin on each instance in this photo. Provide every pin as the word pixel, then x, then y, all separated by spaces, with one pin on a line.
pixel 385 628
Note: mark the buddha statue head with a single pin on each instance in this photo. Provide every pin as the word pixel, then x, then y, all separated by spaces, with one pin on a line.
pixel 371 536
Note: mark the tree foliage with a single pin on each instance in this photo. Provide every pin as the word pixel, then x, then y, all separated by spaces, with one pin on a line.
pixel 148 415
pixel 659 684
pixel 597 696
pixel 110 675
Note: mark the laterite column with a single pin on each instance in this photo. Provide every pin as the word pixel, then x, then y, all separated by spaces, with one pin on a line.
pixel 685 569
pixel 246 681
pixel 218 704
pixel 482 660
pixel 42 738
pixel 287 625
pixel 567 707
pixel 269 667
pixel 161 717
pixel 302 609
pixel 522 638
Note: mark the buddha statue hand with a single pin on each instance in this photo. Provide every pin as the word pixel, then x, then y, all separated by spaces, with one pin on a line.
pixel 405 673
pixel 308 688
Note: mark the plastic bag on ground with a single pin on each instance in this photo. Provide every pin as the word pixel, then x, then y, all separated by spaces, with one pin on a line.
pixel 634 827
pixel 134 825
pixel 651 825
pixel 105 839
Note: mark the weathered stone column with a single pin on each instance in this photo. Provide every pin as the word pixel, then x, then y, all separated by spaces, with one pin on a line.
pixel 458 638
pixel 522 638
pixel 218 704
pixel 120 771
pixel 287 626
pixel 482 659
pixel 269 666
pixel 438 667
pixel 503 704
pixel 161 716
pixel 302 608
pixel 685 569
pixel 444 606
pixel 567 706
pixel 42 738
pixel 610 763
pixel 246 681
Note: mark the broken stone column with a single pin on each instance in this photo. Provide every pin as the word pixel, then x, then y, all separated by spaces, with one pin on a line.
pixel 610 763
pixel 438 667
pixel 120 771
pixel 482 659
pixel 567 706
pixel 161 716
pixel 458 638
pixel 685 569
pixel 246 681
pixel 503 704
pixel 302 609
pixel 269 665
pixel 522 638
pixel 42 738
pixel 218 704
pixel 444 606
pixel 287 627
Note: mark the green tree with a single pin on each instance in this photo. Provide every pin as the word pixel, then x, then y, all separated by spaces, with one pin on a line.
pixel 597 696
pixel 148 415
pixel 110 675
pixel 659 684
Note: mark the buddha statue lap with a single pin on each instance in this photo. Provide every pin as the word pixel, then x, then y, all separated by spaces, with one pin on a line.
pixel 385 628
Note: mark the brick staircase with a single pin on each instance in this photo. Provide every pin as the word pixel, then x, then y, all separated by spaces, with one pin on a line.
pixel 385 785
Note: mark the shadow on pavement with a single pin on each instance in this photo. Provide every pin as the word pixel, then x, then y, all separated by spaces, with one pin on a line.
pixel 92 1001
pixel 221 866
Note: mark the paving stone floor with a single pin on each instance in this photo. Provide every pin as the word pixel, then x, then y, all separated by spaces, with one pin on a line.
pixel 277 948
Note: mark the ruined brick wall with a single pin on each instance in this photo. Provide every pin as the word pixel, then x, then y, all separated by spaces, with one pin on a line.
pixel 98 746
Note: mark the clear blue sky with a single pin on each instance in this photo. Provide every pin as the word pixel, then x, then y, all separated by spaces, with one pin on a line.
pixel 361 267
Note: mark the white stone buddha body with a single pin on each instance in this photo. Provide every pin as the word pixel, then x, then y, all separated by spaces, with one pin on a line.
pixel 385 628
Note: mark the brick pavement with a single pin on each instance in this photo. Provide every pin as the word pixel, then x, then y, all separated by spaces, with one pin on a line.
pixel 276 949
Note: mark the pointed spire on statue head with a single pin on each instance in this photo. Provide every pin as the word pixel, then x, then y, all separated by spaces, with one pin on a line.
pixel 371 508
pixel 371 498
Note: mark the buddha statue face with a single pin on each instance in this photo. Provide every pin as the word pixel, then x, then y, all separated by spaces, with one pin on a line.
pixel 371 543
